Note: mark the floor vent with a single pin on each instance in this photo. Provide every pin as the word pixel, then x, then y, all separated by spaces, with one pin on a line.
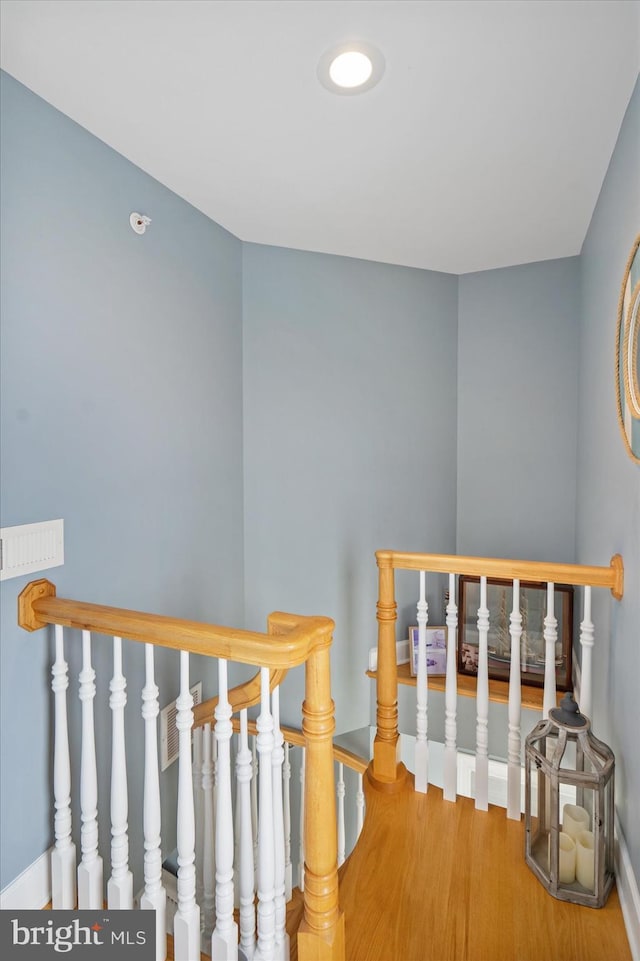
pixel 169 740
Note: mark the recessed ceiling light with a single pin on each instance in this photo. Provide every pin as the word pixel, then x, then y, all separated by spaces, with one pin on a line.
pixel 350 68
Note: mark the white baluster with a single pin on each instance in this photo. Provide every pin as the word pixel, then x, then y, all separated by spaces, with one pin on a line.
pixel 301 841
pixel 550 638
pixel 246 876
pixel 224 940
pixel 586 643
pixel 208 858
pixel 90 892
pixel 120 884
pixel 266 872
pixel 514 770
pixel 154 897
pixel 198 808
pixel 422 743
pixel 254 805
pixel 482 703
pixel 186 924
pixel 359 805
pixel 450 781
pixel 63 856
pixel 340 793
pixel 279 900
pixel 288 869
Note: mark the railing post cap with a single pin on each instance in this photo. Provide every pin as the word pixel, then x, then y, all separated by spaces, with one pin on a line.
pixel 27 617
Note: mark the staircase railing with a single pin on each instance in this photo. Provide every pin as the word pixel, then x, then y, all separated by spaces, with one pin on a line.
pixel 386 767
pixel 290 641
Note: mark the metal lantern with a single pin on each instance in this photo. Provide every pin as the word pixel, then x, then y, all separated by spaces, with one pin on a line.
pixel 569 778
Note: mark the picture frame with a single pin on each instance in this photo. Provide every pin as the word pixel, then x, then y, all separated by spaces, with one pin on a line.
pixel 533 604
pixel 436 650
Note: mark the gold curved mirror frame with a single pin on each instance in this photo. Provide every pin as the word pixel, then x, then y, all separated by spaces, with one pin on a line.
pixel 628 354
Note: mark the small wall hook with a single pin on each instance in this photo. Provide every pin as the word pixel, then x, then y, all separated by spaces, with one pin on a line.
pixel 139 222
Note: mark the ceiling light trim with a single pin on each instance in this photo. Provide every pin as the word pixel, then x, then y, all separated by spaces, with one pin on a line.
pixel 356 46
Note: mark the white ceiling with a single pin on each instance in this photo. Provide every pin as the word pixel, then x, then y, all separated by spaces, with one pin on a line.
pixel 484 145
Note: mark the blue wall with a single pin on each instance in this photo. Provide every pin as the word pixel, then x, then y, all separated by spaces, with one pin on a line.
pixel 121 413
pixel 608 502
pixel 517 406
pixel 350 440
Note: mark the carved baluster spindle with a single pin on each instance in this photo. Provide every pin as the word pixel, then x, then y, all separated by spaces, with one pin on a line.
pixel 245 871
pixel 422 743
pixel 266 865
pixel 90 890
pixel 154 897
pixel 120 884
pixel 586 643
pixel 254 805
pixel 450 782
pixel 198 807
pixel 279 901
pixel 288 869
pixel 550 638
pixel 208 857
pixel 340 793
pixel 63 856
pixel 514 775
pixel 186 924
pixel 224 940
pixel 482 703
pixel 301 834
pixel 359 805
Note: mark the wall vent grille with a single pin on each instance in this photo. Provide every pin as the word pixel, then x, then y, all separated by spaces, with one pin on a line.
pixel 169 740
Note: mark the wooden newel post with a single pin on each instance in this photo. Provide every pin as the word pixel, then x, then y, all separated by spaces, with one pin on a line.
pixel 386 747
pixel 321 932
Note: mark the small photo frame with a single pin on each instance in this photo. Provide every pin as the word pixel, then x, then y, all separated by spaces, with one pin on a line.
pixel 436 650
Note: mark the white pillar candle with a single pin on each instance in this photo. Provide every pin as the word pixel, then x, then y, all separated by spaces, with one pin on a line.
pixel 585 860
pixel 575 819
pixel 566 858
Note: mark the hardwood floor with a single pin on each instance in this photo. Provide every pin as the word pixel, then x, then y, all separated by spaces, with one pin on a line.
pixel 435 881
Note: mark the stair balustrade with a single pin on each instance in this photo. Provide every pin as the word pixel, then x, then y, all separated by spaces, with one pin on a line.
pixel 387 770
pixel 206 874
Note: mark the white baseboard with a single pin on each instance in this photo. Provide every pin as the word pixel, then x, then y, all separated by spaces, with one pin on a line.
pixel 31 890
pixel 628 893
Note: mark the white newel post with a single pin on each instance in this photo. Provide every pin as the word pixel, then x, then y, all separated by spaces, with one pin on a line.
pixel 359 805
pixel 514 745
pixel 224 940
pixel 245 867
pixel 301 834
pixel 422 744
pixel 586 643
pixel 279 900
pixel 266 869
pixel 450 780
pixel 550 638
pixel 120 884
pixel 154 897
pixel 186 924
pixel 340 793
pixel 208 857
pixel 63 856
pixel 288 870
pixel 482 703
pixel 90 890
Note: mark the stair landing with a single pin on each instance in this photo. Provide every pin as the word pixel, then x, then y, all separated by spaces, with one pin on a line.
pixel 431 880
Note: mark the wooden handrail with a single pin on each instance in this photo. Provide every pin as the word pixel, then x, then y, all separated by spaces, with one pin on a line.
pixel 611 576
pixel 38 605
